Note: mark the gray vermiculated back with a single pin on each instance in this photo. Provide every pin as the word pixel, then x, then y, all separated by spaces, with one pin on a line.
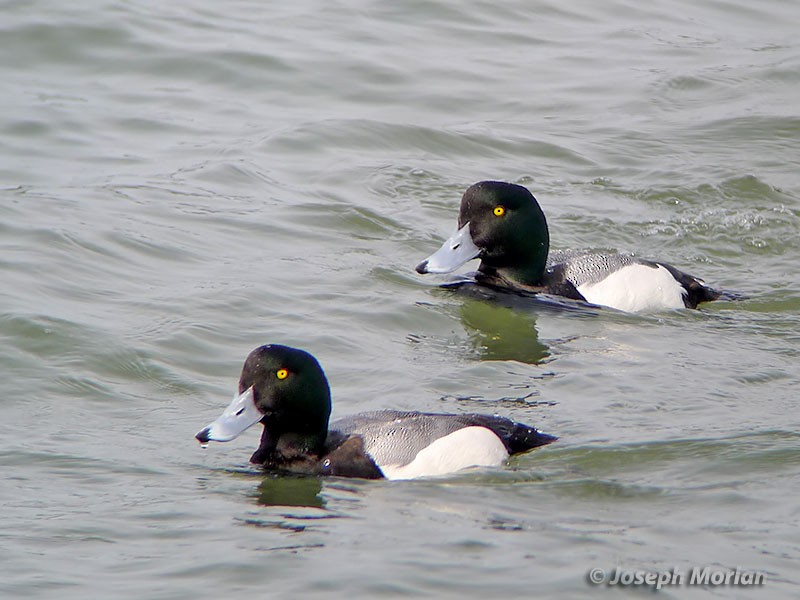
pixel 582 267
pixel 395 437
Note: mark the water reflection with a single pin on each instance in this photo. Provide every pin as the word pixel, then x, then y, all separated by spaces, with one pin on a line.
pixel 501 333
pixel 290 490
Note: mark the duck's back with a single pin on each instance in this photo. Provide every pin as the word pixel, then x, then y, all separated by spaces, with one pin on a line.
pixel 396 439
pixel 582 267
pixel 626 282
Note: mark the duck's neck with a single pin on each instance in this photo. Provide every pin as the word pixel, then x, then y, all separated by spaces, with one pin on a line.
pixel 278 448
pixel 531 274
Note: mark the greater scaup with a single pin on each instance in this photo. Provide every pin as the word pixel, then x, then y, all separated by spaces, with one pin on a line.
pixel 286 391
pixel 503 225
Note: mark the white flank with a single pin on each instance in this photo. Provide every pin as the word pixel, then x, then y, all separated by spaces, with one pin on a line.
pixel 468 447
pixel 636 288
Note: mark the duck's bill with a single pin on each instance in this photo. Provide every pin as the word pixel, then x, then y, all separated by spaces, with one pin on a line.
pixel 454 252
pixel 240 414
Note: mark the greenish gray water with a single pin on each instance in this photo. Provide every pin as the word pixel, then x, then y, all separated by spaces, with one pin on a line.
pixel 179 184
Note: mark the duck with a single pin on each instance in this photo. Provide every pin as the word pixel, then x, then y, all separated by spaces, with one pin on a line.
pixel 286 390
pixel 503 225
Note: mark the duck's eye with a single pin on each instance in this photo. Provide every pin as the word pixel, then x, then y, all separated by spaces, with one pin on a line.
pixel 499 211
pixel 282 374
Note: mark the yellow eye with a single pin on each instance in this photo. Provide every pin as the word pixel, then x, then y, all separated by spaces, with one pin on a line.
pixel 282 374
pixel 499 211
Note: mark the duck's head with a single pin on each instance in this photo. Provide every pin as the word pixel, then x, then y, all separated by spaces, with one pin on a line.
pixel 503 225
pixel 285 389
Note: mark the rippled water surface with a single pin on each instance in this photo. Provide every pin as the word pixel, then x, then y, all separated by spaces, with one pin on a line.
pixel 180 183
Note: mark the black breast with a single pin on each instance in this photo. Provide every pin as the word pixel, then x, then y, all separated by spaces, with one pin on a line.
pixel 349 459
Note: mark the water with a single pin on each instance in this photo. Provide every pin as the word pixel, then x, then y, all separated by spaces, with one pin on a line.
pixel 179 184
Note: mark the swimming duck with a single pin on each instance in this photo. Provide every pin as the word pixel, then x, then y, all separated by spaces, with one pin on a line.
pixel 503 225
pixel 286 391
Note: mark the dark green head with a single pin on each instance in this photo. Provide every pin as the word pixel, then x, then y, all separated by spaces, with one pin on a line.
pixel 286 390
pixel 503 225
pixel 289 387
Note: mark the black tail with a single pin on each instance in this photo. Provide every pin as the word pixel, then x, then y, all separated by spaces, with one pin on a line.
pixel 697 291
pixel 731 296
pixel 524 438
pixel 516 437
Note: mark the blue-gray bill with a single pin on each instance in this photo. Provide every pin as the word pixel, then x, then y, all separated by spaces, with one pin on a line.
pixel 240 414
pixel 456 251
